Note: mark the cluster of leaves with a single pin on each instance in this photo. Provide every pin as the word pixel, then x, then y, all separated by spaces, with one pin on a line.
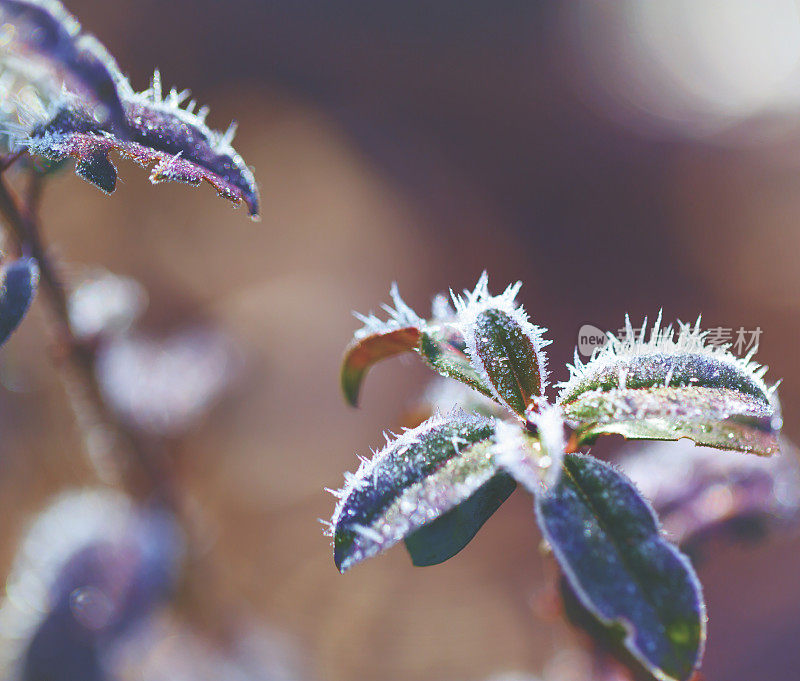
pixel 434 486
pixel 85 108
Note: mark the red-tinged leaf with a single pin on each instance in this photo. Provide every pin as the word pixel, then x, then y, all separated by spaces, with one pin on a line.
pixel 363 352
pixel 174 143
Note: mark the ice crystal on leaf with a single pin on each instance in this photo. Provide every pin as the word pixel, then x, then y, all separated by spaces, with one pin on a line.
pixel 549 423
pixel 519 454
pixel 85 108
pixel 171 140
pixel 379 339
pixel 506 350
pixel 400 316
pixel 671 386
pixel 616 363
pixel 418 476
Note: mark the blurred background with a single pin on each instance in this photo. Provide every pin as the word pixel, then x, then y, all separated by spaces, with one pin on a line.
pixel 616 157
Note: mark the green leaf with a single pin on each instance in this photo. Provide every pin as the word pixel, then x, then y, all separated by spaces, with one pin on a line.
pixel 442 539
pixel 416 478
pixel 609 546
pixel 669 388
pixel 365 351
pixel 443 352
pixel 710 417
pixel 505 348
pixel 508 357
pixel 18 288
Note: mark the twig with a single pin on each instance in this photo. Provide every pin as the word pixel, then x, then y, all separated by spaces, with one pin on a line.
pixel 145 471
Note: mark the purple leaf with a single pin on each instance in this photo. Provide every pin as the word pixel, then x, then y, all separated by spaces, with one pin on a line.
pixel 415 479
pixel 44 30
pixel 174 143
pixel 609 546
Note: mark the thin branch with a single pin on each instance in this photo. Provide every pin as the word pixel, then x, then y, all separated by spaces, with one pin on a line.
pixel 145 471
pixel 145 465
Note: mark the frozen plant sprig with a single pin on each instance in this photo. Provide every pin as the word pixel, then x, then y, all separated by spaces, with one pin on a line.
pixel 434 486
pixel 86 108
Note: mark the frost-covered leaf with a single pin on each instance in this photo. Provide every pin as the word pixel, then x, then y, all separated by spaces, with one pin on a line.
pixel 438 341
pixel 170 140
pixel 378 340
pixel 699 493
pixel 442 539
pixel 669 387
pixel 416 478
pixel 363 352
pixel 49 41
pixel 18 287
pixel 609 545
pixel 505 348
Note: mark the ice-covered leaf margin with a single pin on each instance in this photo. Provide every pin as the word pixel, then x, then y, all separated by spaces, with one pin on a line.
pixel 88 108
pixel 506 350
pixel 377 340
pixel 609 545
pixel 437 341
pixel 671 386
pixel 163 135
pixel 417 477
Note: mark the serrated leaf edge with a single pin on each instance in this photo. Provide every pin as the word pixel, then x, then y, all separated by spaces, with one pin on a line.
pixel 400 316
pixel 690 339
pixel 471 304
pixel 408 438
